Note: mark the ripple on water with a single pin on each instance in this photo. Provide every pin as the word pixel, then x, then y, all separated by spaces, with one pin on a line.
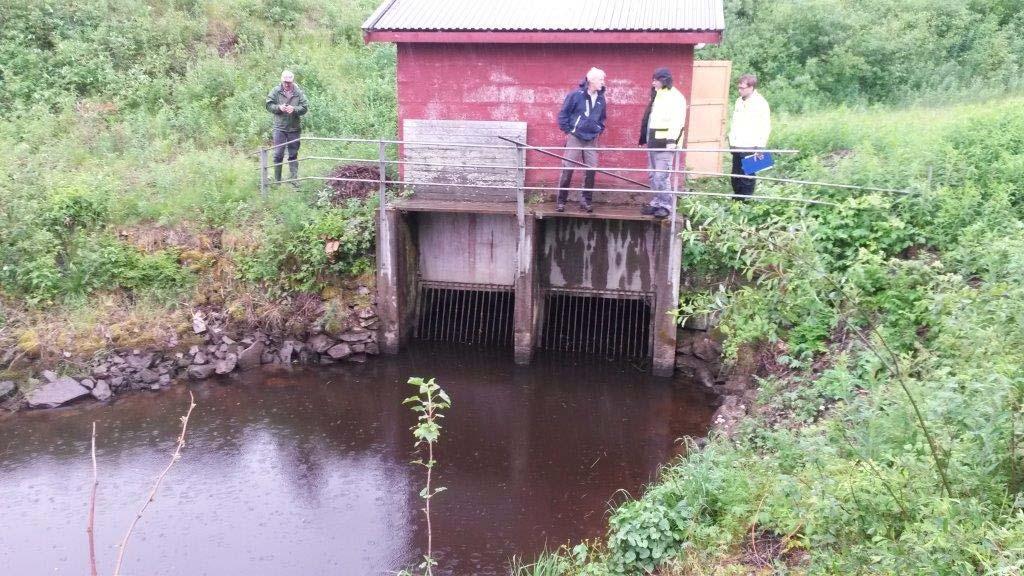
pixel 289 474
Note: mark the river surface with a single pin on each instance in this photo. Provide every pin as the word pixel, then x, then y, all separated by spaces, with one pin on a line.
pixel 307 472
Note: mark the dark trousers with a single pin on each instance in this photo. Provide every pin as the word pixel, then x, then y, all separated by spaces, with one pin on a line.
pixel 280 138
pixel 741 186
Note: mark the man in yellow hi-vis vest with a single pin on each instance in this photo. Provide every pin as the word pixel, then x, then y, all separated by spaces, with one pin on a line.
pixel 662 131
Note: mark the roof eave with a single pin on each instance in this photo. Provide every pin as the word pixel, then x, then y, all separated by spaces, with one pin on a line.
pixel 379 13
pixel 542 36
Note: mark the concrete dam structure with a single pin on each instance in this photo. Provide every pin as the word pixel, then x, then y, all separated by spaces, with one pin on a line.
pixel 477 273
pixel 472 250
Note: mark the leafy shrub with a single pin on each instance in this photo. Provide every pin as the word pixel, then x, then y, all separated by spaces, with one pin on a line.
pixel 861 223
pixel 920 299
pixel 814 53
pixel 303 256
pixel 67 211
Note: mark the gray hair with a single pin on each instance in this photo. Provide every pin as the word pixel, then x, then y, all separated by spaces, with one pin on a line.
pixel 287 76
pixel 594 73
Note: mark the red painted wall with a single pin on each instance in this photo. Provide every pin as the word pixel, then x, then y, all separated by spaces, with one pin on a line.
pixel 527 83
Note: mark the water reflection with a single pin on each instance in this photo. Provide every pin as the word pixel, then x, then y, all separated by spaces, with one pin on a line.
pixel 308 472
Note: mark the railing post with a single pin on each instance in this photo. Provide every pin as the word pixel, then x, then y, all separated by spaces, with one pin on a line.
pixel 383 168
pixel 384 230
pixel 521 205
pixel 263 171
pixel 675 190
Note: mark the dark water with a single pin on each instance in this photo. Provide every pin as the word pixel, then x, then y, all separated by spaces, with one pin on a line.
pixel 307 472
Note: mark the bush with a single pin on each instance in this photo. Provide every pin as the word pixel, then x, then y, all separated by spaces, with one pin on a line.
pixel 304 255
pixel 811 54
pixel 918 301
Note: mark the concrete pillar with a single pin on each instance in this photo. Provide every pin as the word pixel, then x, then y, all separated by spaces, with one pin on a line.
pixel 389 285
pixel 526 293
pixel 666 297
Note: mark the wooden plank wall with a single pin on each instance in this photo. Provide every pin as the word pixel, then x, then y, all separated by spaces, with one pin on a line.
pixel 467 248
pixel 441 178
pixel 709 108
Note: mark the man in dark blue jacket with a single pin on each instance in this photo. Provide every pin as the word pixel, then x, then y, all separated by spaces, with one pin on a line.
pixel 582 119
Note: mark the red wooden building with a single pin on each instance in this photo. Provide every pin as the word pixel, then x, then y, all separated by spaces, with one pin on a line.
pixel 471 70
pixel 515 60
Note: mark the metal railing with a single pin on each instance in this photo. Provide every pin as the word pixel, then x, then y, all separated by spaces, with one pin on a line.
pixel 518 185
pixel 383 162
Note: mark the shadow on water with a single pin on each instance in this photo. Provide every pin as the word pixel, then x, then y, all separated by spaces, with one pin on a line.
pixel 307 472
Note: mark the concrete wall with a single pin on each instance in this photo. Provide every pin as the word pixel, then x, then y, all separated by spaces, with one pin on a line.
pixel 572 253
pixel 528 82
pixel 586 253
pixel 470 248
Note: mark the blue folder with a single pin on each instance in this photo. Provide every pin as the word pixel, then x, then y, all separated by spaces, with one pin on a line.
pixel 752 165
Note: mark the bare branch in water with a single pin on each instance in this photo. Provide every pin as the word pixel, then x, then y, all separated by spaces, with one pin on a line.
pixel 92 508
pixel 156 486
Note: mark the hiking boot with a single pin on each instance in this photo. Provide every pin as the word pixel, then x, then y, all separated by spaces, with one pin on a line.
pixel 560 207
pixel 661 212
pixel 647 210
pixel 587 207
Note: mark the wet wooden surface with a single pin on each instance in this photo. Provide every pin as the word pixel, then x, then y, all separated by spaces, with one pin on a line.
pixel 534 210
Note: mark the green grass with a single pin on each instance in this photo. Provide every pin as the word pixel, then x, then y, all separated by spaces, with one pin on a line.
pixel 153 111
pixel 867 310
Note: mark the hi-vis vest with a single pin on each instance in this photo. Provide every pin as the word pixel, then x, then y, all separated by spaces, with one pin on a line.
pixel 668 115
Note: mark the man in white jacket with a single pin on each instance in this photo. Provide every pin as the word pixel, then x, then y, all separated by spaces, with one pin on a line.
pixel 751 126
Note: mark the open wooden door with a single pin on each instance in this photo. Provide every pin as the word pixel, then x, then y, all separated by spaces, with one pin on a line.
pixel 709 109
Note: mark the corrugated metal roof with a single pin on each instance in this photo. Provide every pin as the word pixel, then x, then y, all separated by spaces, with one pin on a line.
pixel 548 15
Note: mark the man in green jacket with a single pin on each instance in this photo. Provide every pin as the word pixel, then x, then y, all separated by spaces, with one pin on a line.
pixel 287 103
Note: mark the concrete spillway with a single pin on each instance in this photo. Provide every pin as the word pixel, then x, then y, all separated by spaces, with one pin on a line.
pixel 597 284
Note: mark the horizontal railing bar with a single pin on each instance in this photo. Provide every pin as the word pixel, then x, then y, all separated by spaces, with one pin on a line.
pixel 794 181
pixel 511 146
pixel 407 142
pixel 612 169
pixel 339 159
pixel 548 188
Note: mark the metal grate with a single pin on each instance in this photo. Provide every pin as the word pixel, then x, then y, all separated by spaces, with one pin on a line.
pixel 606 323
pixel 466 313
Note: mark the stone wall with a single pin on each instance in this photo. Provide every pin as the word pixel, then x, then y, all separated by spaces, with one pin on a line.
pixel 224 349
pixel 699 356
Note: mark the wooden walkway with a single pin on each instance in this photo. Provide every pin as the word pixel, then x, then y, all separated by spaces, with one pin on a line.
pixel 539 210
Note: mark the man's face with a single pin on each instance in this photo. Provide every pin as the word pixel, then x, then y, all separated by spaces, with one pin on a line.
pixel 595 84
pixel 656 84
pixel 287 85
pixel 745 90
